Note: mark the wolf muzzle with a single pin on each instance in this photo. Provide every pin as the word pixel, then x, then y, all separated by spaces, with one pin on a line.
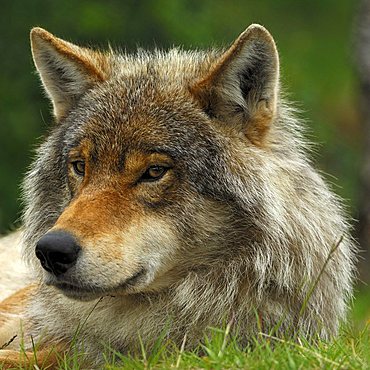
pixel 57 252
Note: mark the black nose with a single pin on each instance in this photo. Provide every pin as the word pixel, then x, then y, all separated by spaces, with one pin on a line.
pixel 57 251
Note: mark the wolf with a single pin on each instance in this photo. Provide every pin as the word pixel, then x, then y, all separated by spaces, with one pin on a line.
pixel 173 193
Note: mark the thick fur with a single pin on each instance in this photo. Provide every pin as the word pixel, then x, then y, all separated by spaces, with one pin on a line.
pixel 238 228
pixel 14 272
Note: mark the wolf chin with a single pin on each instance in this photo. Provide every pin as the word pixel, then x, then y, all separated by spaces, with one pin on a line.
pixel 174 193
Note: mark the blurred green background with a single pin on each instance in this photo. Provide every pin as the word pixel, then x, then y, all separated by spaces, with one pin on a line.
pixel 314 38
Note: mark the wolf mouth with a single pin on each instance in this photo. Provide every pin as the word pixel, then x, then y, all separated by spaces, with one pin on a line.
pixel 84 292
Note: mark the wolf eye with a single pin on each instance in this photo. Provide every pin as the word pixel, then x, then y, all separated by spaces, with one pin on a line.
pixel 79 167
pixel 154 173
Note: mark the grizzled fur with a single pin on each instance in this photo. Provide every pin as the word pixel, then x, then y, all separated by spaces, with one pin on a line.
pixel 239 226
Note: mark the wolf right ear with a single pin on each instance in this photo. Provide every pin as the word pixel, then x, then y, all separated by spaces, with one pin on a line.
pixel 66 70
pixel 242 86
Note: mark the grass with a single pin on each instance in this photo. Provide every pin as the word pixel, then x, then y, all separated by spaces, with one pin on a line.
pixel 350 350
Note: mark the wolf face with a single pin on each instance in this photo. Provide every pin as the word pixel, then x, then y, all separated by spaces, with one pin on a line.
pixel 184 177
pixel 131 183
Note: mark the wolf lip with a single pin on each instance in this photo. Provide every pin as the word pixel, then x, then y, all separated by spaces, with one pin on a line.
pixel 77 290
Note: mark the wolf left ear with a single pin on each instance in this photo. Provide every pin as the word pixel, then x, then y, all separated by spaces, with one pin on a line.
pixel 66 70
pixel 241 88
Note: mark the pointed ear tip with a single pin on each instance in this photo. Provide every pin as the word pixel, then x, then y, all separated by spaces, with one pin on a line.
pixel 257 26
pixel 38 33
pixel 256 30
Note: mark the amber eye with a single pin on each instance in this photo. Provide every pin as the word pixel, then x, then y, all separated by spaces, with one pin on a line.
pixel 79 167
pixel 154 173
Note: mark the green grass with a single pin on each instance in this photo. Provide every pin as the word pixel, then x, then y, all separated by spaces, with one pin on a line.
pixel 350 350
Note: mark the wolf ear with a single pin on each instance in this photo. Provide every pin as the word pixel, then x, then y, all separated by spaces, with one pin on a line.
pixel 242 86
pixel 66 70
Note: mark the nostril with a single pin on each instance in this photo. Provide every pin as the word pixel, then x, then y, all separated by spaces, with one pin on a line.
pixel 63 258
pixel 39 255
pixel 43 260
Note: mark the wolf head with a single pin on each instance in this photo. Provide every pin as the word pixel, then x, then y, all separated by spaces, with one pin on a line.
pixel 133 184
pixel 160 164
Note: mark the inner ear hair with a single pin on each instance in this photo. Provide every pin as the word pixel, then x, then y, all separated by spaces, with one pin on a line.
pixel 242 86
pixel 66 70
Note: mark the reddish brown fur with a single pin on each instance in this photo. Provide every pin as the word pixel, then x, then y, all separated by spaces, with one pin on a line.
pixel 96 70
pixel 46 358
pixel 12 331
pixel 256 132
pixel 15 303
pixel 104 206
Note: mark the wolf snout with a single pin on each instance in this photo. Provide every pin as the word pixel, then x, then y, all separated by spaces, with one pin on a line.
pixel 57 252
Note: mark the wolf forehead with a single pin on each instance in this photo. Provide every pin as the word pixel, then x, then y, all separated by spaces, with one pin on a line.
pixel 146 104
pixel 202 105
